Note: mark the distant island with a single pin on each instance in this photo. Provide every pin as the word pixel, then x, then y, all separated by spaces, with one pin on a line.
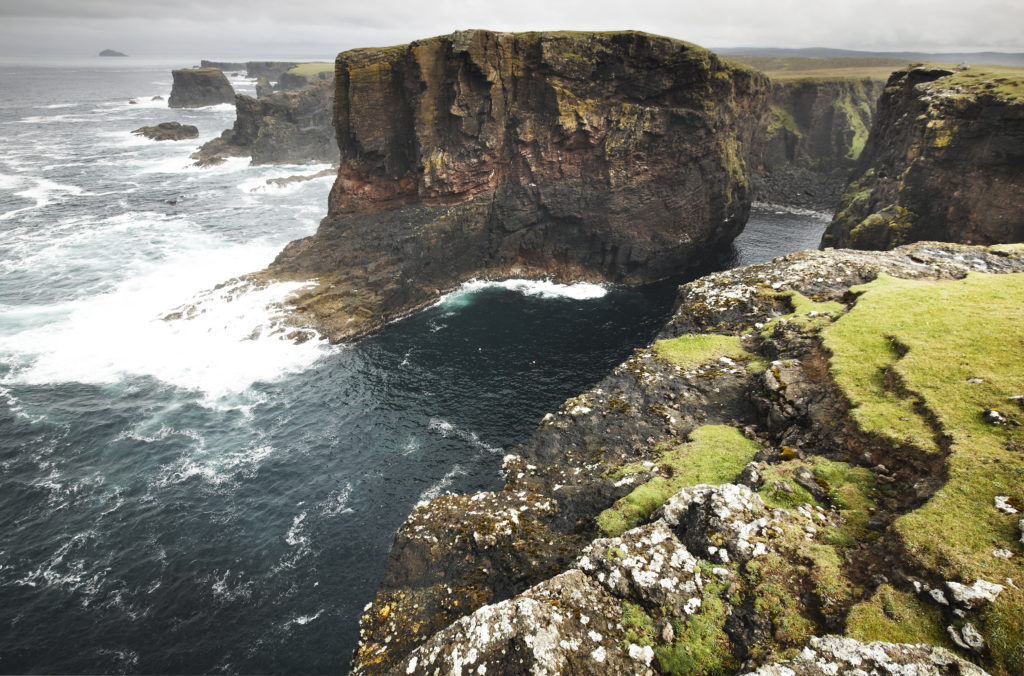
pixel 111 52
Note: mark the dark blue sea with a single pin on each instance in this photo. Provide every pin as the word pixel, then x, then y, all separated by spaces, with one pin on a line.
pixel 203 495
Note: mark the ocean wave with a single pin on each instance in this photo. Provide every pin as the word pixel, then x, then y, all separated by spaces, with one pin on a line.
pixel 43 191
pixel 450 431
pixel 216 342
pixel 541 288
pixel 443 484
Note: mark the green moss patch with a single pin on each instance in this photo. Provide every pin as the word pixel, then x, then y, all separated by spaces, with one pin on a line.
pixel 921 361
pixel 808 315
pixel 692 350
pixel 715 454
pixel 701 645
pixel 896 617
pixel 311 71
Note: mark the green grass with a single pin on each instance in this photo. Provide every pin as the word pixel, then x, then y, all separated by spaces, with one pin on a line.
pixel 691 350
pixel 701 645
pixel 808 315
pixel 793 68
pixel 311 71
pixel 715 454
pixel 903 356
pixel 897 617
pixel 1005 83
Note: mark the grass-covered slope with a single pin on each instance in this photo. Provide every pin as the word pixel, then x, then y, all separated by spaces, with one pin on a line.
pixel 922 362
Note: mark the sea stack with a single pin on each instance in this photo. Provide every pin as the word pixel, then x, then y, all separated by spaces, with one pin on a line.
pixel 198 87
pixel 576 156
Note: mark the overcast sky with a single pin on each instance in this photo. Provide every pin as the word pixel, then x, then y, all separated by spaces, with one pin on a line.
pixel 252 29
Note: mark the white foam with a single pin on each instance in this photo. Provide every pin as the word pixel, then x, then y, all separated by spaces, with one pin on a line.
pixel 450 431
pixel 42 192
pixel 541 288
pixel 235 338
pixel 443 484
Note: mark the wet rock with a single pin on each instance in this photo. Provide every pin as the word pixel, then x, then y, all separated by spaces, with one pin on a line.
pixel 168 131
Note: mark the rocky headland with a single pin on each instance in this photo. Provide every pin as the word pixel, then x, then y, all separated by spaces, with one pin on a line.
pixel 578 156
pixel 285 127
pixel 199 87
pixel 817 467
pixel 944 161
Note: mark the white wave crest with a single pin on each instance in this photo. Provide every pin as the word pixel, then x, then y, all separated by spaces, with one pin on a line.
pixel 541 288
pixel 219 343
pixel 441 485
pixel 450 431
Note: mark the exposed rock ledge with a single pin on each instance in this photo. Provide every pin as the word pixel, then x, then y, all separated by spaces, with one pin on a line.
pixel 718 505
pixel 597 156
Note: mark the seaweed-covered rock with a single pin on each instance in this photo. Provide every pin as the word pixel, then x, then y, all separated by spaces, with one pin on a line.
pixel 199 87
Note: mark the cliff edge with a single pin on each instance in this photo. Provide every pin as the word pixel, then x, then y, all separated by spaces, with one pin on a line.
pixel 944 161
pixel 815 469
pixel 598 156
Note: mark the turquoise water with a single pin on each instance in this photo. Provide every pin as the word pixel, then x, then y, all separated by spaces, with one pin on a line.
pixel 201 495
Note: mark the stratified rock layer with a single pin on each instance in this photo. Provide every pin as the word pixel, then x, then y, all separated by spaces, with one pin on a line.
pixel 611 156
pixel 944 161
pixel 199 87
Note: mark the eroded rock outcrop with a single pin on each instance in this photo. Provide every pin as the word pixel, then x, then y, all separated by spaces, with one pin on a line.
pixel 199 87
pixel 726 498
pixel 944 161
pixel 816 130
pixel 283 128
pixel 611 156
pixel 168 131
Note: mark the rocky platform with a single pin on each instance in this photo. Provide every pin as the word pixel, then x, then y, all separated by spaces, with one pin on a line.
pixel 577 156
pixel 944 161
pixel 815 469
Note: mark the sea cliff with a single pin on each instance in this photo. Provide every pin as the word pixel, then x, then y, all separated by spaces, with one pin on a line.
pixel 827 444
pixel 944 161
pixel 598 156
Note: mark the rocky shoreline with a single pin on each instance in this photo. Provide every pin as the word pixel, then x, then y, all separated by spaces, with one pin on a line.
pixel 809 519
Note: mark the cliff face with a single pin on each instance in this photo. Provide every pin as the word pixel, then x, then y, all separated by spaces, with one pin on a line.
pixel 944 161
pixel 198 87
pixel 748 484
pixel 581 156
pixel 283 128
pixel 816 130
